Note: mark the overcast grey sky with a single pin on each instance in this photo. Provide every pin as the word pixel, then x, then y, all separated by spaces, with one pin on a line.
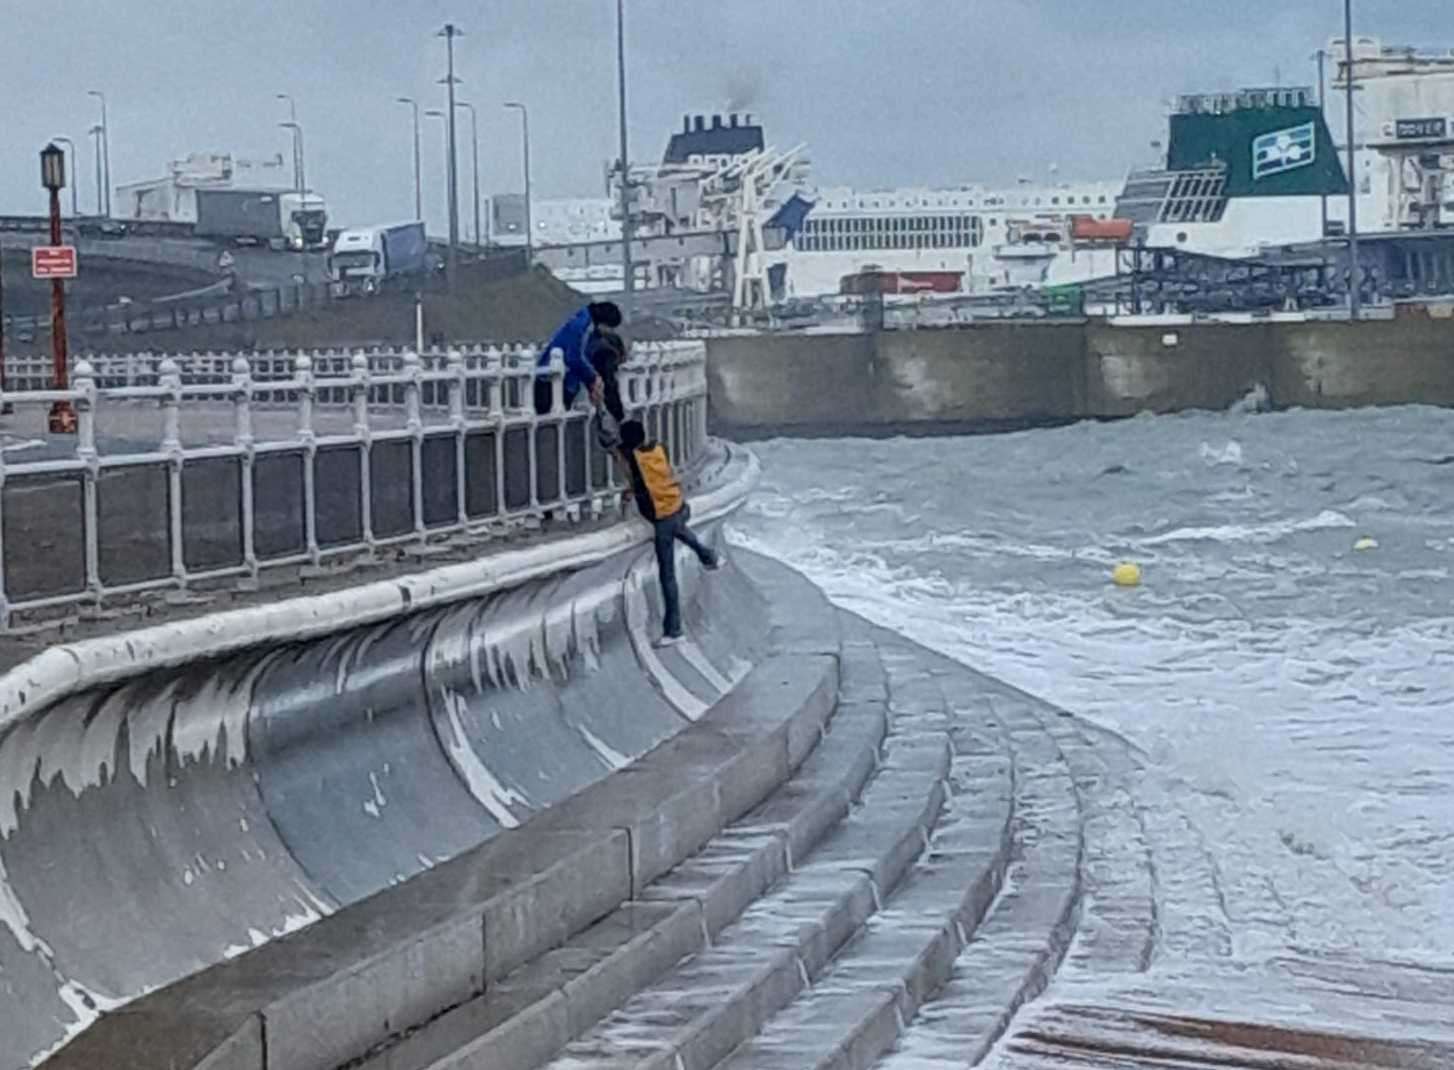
pixel 884 93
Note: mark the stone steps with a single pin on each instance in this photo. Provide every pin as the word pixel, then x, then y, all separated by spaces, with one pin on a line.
pixel 1010 957
pixel 857 1008
pixel 524 1018
pixel 711 1003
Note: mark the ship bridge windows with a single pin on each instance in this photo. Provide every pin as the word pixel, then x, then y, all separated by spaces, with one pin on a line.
pixel 942 231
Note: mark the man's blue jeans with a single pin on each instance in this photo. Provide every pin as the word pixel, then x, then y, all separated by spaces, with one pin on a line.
pixel 668 532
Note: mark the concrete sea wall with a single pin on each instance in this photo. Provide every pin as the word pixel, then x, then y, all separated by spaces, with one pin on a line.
pixel 172 801
pixel 1007 375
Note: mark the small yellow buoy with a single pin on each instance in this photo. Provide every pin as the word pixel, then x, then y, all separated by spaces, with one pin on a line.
pixel 1126 574
pixel 1368 542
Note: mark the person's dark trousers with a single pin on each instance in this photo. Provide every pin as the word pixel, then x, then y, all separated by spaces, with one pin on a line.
pixel 543 397
pixel 668 532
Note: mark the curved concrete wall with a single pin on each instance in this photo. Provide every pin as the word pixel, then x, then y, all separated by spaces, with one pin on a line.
pixel 1002 375
pixel 164 823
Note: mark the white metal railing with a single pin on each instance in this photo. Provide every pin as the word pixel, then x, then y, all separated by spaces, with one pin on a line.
pixel 187 470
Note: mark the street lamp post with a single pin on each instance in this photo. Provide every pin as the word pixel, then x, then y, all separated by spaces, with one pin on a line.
pixel 75 171
pixel 418 183
pixel 1355 272
pixel 62 419
pixel 449 33
pixel 475 165
pixel 105 150
pixel 300 175
pixel 1322 55
pixel 297 154
pixel 525 153
pixel 436 113
pixel 629 280
pixel 95 133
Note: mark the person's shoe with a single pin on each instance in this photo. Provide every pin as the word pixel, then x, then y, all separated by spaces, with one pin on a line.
pixel 669 640
pixel 713 563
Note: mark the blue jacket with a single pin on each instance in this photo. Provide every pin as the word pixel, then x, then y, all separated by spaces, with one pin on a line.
pixel 571 339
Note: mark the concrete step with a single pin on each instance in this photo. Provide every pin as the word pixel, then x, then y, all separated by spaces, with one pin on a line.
pixel 856 1010
pixel 718 998
pixel 525 1017
pixel 1013 954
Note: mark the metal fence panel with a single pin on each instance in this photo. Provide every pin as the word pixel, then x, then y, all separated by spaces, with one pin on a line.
pixel 391 482
pixel 441 482
pixel 575 456
pixel 517 469
pixel 481 498
pixel 277 495
pixel 547 463
pixel 212 513
pixel 338 495
pixel 133 524
pixel 44 533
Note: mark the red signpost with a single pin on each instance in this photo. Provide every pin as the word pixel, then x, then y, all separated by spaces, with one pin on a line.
pixel 59 263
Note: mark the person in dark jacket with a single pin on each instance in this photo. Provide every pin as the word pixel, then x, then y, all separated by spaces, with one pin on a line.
pixel 573 339
pixel 660 500
pixel 607 352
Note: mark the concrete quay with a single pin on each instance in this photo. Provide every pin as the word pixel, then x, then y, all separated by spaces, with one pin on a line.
pixel 1002 376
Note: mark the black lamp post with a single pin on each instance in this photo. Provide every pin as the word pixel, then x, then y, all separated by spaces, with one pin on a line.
pixel 62 419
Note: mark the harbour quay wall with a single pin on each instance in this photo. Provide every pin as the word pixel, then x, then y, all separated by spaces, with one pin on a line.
pixel 1004 376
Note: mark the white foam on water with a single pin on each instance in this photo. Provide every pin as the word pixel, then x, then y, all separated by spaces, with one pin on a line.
pixel 1328 519
pixel 1293 695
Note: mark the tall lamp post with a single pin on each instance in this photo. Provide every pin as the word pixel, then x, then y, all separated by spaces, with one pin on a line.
pixel 1355 271
pixel 297 155
pixel 475 165
pixel 96 132
pixel 301 176
pixel 62 419
pixel 628 280
pixel 525 153
pixel 75 172
pixel 104 162
pixel 1321 55
pixel 418 181
pixel 449 33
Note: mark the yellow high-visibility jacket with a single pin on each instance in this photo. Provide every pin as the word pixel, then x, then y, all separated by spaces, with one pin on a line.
pixel 658 494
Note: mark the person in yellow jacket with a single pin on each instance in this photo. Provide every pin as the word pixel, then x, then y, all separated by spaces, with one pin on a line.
pixel 660 500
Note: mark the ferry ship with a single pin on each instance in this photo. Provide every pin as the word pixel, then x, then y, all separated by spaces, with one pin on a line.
pixel 1248 174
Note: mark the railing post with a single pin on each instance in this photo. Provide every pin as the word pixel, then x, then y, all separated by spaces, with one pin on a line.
pixel 457 420
pixel 243 439
pixel 557 381
pixel 169 377
pixel 414 423
pixel 307 391
pixel 84 383
pixel 359 365
pixel 494 373
pixel 495 400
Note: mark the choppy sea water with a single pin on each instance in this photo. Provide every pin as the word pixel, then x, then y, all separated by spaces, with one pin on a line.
pixel 1298 694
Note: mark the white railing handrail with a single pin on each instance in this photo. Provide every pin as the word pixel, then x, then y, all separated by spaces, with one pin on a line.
pixel 474 453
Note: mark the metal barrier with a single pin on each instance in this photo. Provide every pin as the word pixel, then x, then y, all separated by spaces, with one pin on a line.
pixel 293 459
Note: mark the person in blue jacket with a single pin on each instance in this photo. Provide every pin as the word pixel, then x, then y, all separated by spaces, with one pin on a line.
pixel 573 340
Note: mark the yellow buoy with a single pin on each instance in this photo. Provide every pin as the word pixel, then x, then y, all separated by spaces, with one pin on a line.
pixel 1126 574
pixel 1368 542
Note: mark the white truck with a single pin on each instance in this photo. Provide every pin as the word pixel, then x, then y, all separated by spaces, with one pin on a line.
pixel 282 220
pixel 363 257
